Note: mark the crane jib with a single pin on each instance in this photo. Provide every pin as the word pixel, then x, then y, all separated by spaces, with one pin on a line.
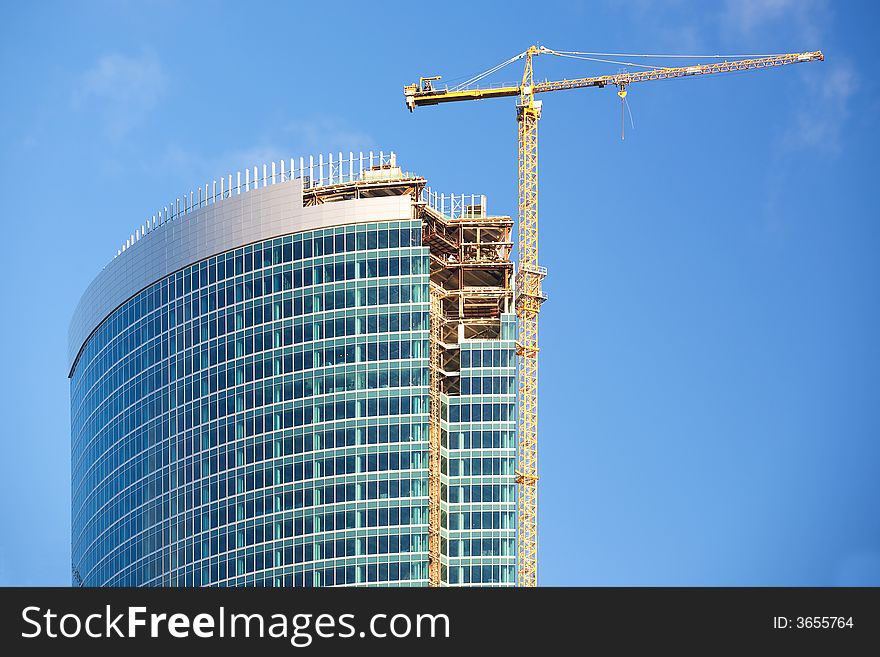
pixel 418 96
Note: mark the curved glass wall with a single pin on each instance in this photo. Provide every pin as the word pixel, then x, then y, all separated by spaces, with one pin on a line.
pixel 260 418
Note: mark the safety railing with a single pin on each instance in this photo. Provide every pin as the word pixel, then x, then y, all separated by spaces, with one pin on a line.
pixel 455 206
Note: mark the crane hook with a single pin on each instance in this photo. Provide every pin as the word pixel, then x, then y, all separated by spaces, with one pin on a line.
pixel 622 93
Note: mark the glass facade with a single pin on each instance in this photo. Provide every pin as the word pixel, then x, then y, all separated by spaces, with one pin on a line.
pixel 479 457
pixel 252 399
pixel 260 418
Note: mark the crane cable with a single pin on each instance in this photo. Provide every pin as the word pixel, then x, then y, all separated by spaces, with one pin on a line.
pixel 625 107
pixel 662 56
pixel 582 55
pixel 480 76
pixel 599 57
pixel 595 59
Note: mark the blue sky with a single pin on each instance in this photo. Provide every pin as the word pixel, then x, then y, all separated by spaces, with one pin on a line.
pixel 709 374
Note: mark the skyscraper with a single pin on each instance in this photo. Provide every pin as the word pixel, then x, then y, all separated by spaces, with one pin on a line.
pixel 257 375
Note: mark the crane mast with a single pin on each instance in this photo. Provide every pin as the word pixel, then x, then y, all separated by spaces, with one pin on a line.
pixel 530 275
pixel 528 304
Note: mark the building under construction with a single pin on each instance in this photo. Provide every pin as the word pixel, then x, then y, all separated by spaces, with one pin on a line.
pixel 301 374
pixel 316 373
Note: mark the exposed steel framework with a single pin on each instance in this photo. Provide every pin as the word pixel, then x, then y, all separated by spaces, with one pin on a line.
pixel 529 295
pixel 471 288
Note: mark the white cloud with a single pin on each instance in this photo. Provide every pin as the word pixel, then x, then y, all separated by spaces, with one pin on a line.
pixel 751 18
pixel 298 138
pixel 817 111
pixel 824 110
pixel 192 168
pixel 673 25
pixel 122 90
pixel 821 107
pixel 326 133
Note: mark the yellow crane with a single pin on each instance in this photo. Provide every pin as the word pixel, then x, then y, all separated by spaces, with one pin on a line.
pixel 529 296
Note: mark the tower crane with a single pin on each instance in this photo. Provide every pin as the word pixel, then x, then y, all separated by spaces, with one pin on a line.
pixel 530 275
